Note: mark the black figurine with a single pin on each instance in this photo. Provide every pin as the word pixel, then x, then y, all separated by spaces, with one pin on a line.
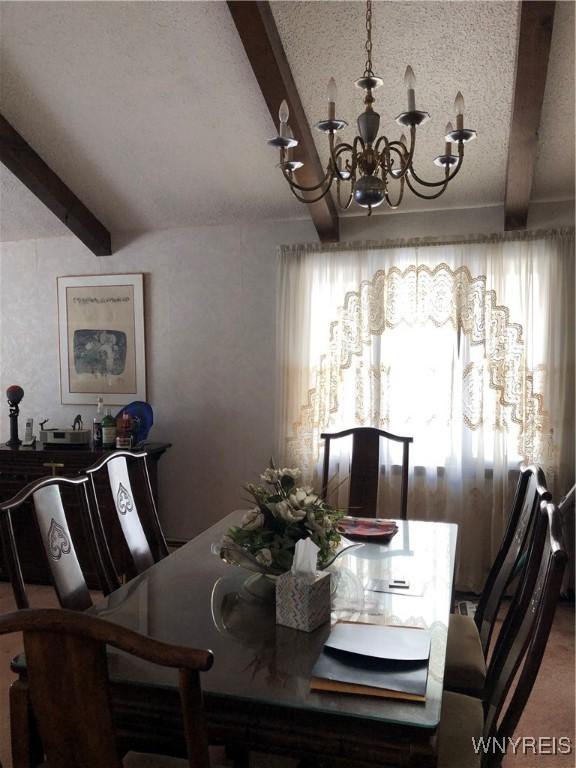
pixel 14 395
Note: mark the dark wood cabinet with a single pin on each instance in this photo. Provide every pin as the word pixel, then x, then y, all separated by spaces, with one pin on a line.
pixel 23 465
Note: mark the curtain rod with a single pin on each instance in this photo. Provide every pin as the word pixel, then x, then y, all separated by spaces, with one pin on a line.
pixel 415 242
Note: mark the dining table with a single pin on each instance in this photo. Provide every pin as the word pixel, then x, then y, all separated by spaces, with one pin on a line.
pixel 257 695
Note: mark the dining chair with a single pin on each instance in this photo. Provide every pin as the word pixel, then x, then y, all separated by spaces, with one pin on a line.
pixel 516 664
pixel 365 468
pixel 469 639
pixel 135 508
pixel 45 497
pixel 68 680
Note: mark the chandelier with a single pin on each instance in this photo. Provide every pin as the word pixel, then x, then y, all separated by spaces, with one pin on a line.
pixel 368 165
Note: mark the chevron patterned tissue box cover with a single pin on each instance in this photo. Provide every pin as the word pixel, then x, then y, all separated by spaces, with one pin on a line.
pixel 301 603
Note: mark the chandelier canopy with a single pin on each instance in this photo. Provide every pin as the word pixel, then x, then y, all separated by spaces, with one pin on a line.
pixel 367 166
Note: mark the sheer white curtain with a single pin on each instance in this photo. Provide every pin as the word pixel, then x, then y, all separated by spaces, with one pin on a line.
pixel 466 346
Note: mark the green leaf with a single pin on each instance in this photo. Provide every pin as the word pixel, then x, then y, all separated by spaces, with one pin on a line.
pixel 287 483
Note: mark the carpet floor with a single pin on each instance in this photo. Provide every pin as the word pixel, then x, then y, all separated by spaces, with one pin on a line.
pixel 550 711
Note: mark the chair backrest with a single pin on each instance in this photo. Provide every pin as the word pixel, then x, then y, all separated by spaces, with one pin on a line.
pixel 526 631
pixel 365 468
pixel 512 557
pixel 68 678
pixel 146 544
pixel 49 509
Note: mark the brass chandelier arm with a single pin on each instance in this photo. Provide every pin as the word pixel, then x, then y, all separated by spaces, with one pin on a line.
pixel 335 153
pixel 400 194
pixel 448 178
pixel 427 197
pixel 405 160
pixel 345 205
pixel 400 149
pixel 293 185
pixel 313 199
pixel 339 149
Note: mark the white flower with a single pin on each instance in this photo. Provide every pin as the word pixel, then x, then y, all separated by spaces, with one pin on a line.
pixel 252 520
pixel 287 472
pixel 315 524
pixel 270 475
pixel 301 498
pixel 285 511
pixel 264 557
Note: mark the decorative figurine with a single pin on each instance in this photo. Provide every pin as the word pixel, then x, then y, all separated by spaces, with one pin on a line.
pixel 14 395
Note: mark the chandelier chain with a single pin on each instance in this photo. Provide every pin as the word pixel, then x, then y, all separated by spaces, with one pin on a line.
pixel 368 72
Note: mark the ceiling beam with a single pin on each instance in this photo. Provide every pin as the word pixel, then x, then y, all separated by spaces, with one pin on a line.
pixel 261 40
pixel 19 157
pixel 536 21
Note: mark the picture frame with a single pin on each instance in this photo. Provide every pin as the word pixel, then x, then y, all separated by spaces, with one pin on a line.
pixel 101 338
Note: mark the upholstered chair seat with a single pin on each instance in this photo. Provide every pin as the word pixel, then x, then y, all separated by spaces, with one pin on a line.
pixel 466 670
pixel 462 720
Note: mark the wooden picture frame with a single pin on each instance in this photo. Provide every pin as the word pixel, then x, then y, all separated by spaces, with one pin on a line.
pixel 101 338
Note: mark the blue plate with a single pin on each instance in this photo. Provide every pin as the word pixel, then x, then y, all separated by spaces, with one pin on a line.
pixel 143 416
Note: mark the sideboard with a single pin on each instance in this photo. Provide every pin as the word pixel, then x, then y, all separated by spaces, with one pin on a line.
pixel 20 466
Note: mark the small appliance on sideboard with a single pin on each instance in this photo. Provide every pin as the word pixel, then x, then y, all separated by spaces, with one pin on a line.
pixel 76 437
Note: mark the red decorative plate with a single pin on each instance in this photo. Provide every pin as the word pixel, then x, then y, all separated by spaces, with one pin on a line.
pixel 367 528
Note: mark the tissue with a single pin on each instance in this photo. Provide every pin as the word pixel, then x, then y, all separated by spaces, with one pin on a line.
pixel 305 559
pixel 302 595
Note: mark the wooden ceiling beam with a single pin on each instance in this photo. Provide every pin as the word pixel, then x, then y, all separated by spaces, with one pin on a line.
pixel 20 158
pixel 261 40
pixel 536 21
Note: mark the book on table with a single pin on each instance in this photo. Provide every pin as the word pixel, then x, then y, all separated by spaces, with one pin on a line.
pixel 374 660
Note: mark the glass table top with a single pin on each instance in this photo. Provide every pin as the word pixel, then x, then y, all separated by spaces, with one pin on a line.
pixel 192 598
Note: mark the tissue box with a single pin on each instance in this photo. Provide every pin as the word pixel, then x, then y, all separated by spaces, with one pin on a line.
pixel 303 603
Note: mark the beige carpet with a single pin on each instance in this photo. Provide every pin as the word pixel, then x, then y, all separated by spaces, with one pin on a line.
pixel 549 712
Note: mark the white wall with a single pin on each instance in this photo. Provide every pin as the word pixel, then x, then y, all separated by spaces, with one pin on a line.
pixel 210 337
pixel 465 221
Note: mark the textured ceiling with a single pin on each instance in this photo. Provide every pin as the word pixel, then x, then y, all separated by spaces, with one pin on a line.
pixel 150 111
pixel 466 46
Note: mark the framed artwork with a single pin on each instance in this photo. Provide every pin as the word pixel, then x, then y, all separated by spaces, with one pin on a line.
pixel 101 332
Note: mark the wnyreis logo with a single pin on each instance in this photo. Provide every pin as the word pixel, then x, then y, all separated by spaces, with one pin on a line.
pixel 524 745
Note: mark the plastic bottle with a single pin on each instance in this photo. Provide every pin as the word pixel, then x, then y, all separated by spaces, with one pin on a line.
pixel 97 424
pixel 108 430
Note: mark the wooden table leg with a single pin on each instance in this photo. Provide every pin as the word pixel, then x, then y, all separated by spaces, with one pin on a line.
pixel 27 749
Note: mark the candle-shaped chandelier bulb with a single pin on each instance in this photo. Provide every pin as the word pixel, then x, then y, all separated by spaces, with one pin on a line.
pixel 283 115
pixel 459 109
pixel 403 139
pixel 289 135
pixel 332 91
pixel 410 83
pixel 448 146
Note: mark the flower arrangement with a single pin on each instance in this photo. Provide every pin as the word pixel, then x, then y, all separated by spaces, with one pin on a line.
pixel 284 513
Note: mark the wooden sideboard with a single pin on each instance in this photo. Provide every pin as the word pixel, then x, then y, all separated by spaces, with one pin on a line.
pixel 20 466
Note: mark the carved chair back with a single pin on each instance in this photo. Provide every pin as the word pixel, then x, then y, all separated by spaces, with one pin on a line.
pixel 365 468
pixel 51 516
pixel 511 559
pixel 68 678
pixel 128 482
pixel 525 632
